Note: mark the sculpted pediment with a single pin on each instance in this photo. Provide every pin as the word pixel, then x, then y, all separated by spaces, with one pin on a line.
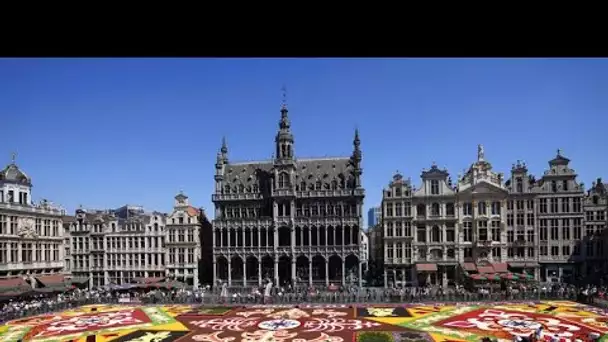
pixel 484 188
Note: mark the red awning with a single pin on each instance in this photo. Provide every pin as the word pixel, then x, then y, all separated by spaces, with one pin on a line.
pixel 149 280
pixel 426 267
pixel 469 266
pixel 52 280
pixel 485 269
pixel 500 267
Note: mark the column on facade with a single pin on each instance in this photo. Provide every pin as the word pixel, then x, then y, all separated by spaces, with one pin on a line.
pixel 214 271
pixel 243 237
pixel 213 237
pixel 244 271
pixel 310 236
pixel 326 236
pixel 276 272
pixel 326 272
pixel 259 229
pixel 259 267
pixel 195 282
pixel 343 271
pixel 445 277
pixel 229 272
pixel 385 278
pixel 403 277
pixel 229 233
pixel 293 270
pixel 309 272
pixel 344 236
pixel 292 238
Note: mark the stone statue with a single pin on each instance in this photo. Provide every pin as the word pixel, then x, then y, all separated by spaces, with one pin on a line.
pixel 25 227
pixel 480 152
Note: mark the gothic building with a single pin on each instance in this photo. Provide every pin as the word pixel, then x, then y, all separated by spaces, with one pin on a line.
pixel 288 220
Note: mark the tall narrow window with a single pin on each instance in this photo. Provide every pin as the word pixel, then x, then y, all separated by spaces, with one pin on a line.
pixel 434 187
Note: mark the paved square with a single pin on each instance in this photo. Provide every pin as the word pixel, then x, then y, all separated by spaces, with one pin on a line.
pixel 315 323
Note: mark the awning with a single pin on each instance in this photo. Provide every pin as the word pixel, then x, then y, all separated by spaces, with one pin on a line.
pixel 478 277
pixel 500 267
pixel 485 269
pixel 149 280
pixel 173 284
pixel 78 280
pixel 469 266
pixel 14 285
pixel 54 280
pixel 426 267
pixel 523 264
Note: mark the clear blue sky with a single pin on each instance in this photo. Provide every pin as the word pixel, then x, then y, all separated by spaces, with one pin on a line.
pixel 105 132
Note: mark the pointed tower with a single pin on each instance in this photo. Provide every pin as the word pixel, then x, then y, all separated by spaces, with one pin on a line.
pixel 284 139
pixel 224 150
pixel 355 159
pixel 220 165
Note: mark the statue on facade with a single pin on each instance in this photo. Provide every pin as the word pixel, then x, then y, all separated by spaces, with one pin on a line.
pixel 480 152
pixel 25 228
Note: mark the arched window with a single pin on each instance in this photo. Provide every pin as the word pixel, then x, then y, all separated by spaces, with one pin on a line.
pixel 303 186
pixel 435 234
pixel 227 189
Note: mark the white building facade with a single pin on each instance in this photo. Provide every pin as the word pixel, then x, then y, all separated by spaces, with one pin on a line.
pixel 183 244
pixel 31 235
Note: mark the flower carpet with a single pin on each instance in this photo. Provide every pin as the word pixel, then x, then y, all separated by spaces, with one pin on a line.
pixel 567 321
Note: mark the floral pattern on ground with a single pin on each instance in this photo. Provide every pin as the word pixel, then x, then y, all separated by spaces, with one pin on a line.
pixel 462 322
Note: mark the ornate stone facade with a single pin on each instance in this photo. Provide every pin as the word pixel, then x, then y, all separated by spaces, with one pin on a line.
pixel 289 220
pixel 31 235
pixel 433 232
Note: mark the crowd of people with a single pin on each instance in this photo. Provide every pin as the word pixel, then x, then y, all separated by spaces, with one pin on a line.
pixel 44 303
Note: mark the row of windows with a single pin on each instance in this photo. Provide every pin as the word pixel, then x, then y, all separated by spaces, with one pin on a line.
pixel 85 243
pixel 319 209
pixel 28 252
pixel 568 205
pixel 9 225
pixel 119 260
pixel 404 250
pixel 599 215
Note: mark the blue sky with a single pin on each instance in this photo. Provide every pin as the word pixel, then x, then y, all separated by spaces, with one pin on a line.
pixel 105 132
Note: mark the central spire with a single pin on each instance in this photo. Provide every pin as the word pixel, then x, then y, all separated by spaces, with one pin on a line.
pixel 284 139
pixel 284 124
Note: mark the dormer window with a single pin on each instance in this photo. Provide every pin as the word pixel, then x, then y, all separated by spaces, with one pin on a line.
pixel 398 191
pixel 565 185
pixel 553 186
pixel 434 187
